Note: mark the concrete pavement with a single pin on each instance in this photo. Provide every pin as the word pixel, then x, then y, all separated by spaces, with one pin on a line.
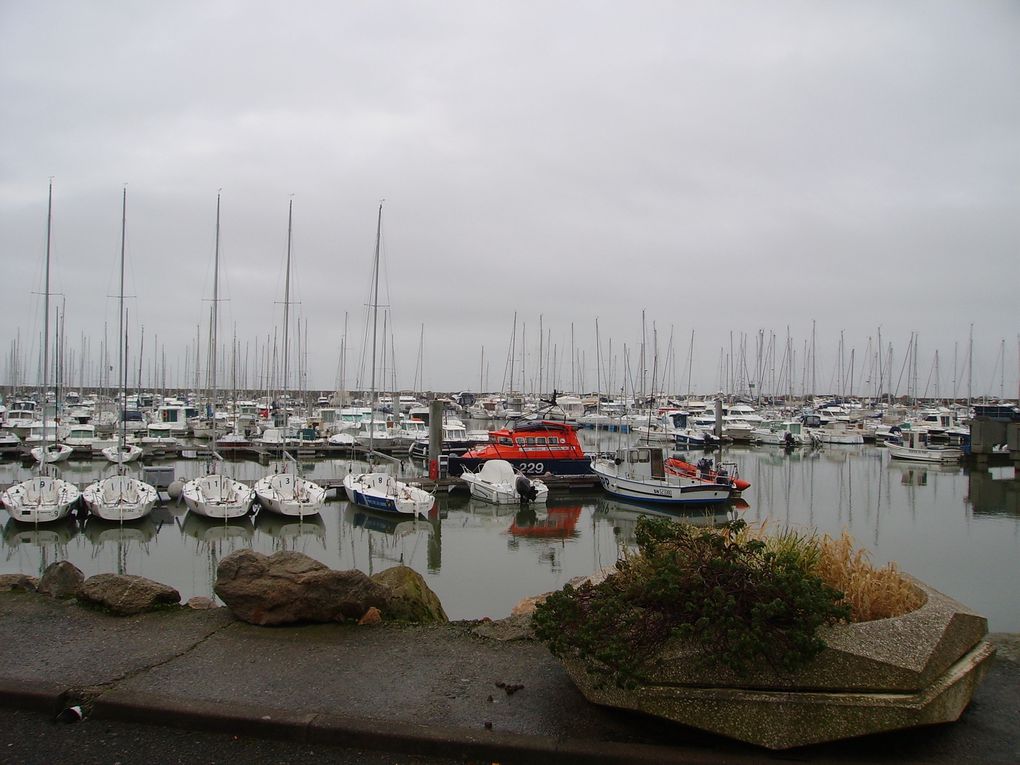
pixel 444 691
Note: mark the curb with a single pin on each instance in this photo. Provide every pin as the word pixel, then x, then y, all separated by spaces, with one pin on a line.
pixel 382 735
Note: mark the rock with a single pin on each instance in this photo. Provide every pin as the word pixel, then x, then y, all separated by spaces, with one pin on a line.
pixel 526 606
pixel 410 599
pixel 200 602
pixel 18 583
pixel 288 587
pixel 125 595
pixel 61 580
pixel 372 616
pixel 512 628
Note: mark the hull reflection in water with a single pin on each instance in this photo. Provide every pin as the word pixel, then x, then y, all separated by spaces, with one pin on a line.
pixel 553 522
pixel 624 515
pixel 100 532
pixel 290 527
pixel 48 535
pixel 215 530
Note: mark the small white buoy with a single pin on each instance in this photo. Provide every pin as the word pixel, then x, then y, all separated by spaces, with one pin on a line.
pixel 175 488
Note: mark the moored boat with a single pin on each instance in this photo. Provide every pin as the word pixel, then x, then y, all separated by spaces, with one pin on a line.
pixel 382 491
pixel 639 474
pixel 497 482
pixel 534 447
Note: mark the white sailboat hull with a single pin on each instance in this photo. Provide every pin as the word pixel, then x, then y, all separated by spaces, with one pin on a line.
pixel 381 491
pixel 120 498
pixel 40 500
pixel 217 496
pixel 290 495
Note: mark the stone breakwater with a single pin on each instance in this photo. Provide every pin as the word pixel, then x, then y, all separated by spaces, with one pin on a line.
pixel 283 588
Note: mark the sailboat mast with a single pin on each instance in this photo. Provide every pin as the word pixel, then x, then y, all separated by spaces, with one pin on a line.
pixel 286 300
pixel 215 318
pixel 122 402
pixel 46 310
pixel 375 324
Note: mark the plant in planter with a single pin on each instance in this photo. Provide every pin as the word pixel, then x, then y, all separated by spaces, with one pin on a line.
pixel 746 624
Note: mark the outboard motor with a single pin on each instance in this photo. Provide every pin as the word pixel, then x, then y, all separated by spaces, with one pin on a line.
pixel 525 489
pixel 788 440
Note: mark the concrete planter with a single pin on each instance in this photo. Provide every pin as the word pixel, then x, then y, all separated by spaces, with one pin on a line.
pixel 917 669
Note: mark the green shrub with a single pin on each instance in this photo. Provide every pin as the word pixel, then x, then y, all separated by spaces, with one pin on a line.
pixel 742 600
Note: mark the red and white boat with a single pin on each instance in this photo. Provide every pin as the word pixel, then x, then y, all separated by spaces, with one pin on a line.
pixel 723 473
pixel 533 447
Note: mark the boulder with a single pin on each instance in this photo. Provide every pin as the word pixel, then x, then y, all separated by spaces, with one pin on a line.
pixel 409 598
pixel 18 583
pixel 61 580
pixel 200 603
pixel 288 587
pixel 126 595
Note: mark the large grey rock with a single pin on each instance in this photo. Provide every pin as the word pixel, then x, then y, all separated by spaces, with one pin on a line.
pixel 409 598
pixel 61 580
pixel 126 595
pixel 916 669
pixel 288 587
pixel 18 583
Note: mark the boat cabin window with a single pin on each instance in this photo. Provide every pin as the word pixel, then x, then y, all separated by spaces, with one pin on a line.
pixel 504 441
pixel 639 455
pixel 531 441
pixel 520 440
pixel 541 441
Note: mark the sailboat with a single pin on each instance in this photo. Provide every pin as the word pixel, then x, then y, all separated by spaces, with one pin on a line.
pixel 215 495
pixel 45 497
pixel 120 497
pixel 382 491
pixel 282 492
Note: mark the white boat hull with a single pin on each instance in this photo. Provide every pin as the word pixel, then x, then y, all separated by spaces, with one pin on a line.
pixel 217 496
pixel 120 498
pixel 290 495
pixel 940 456
pixel 672 490
pixel 40 500
pixel 51 453
pixel 381 491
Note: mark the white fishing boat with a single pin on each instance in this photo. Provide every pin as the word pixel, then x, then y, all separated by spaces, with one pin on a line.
pixel 639 474
pixel 497 482
pixel 382 491
pixel 917 447
pixel 121 497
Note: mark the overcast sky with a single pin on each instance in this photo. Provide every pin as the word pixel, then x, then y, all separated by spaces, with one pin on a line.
pixel 727 169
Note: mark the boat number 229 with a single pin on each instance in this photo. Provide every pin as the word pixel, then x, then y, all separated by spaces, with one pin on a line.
pixel 532 468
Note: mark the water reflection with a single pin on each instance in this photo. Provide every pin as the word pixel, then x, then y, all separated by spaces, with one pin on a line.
pixel 100 532
pixel 211 530
pixel 42 535
pixel 955 528
pixel 624 516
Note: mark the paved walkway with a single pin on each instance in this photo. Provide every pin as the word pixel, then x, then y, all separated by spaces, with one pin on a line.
pixel 444 691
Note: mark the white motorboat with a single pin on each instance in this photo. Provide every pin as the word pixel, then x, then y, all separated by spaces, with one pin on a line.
pixel 40 500
pixel 917 447
pixel 640 474
pixel 382 491
pixel 289 494
pixel 497 482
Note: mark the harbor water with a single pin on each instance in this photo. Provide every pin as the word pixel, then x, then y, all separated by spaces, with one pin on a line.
pixel 954 528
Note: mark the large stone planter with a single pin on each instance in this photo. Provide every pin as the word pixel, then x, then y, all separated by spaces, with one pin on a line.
pixel 917 669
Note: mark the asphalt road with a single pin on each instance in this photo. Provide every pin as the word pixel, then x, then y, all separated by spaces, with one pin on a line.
pixel 33 739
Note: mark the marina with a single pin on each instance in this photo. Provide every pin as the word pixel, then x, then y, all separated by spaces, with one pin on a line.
pixel 956 527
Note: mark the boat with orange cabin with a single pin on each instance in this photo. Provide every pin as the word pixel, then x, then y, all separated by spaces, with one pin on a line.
pixel 533 447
